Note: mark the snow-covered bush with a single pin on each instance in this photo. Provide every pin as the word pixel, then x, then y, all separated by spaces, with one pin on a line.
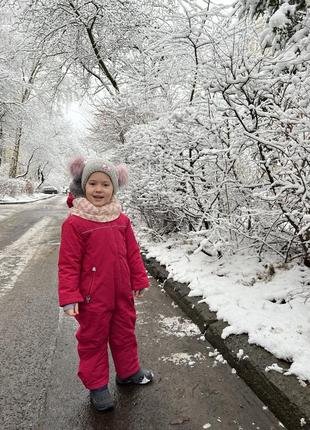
pixel 14 187
pixel 268 110
pixel 284 22
pixel 233 162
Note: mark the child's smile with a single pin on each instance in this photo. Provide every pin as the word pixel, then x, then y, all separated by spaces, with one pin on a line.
pixel 99 189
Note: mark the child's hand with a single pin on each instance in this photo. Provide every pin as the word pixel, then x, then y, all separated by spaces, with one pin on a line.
pixel 138 293
pixel 73 311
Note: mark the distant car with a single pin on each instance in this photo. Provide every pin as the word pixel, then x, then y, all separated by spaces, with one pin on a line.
pixel 49 190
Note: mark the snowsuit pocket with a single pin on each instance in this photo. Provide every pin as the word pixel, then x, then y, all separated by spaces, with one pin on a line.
pixel 88 297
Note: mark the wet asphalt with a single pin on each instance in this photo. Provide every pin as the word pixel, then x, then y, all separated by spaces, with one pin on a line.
pixel 193 388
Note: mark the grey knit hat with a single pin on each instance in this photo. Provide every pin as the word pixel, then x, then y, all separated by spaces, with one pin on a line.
pixel 81 170
pixel 103 166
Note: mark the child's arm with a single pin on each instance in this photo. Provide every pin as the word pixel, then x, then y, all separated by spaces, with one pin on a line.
pixel 69 264
pixel 139 279
pixel 70 199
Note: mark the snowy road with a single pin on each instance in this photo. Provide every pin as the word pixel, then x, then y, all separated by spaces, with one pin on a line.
pixel 194 389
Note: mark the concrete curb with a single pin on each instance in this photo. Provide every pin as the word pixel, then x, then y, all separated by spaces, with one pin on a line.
pixel 29 201
pixel 284 395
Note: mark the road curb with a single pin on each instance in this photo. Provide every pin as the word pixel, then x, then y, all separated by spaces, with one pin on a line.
pixel 283 395
pixel 25 202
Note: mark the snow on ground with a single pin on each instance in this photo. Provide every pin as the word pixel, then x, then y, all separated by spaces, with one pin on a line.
pixel 268 302
pixel 182 358
pixel 271 308
pixel 178 326
pixel 15 257
pixel 10 205
pixel 24 198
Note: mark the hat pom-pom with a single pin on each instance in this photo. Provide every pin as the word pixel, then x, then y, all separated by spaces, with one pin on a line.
pixel 122 174
pixel 76 167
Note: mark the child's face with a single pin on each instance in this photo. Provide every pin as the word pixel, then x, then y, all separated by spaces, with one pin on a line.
pixel 99 189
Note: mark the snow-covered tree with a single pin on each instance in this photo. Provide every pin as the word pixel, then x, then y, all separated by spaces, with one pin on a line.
pixel 31 102
pixel 283 21
pixel 209 110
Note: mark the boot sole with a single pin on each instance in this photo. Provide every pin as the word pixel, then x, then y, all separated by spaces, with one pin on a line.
pixel 130 382
pixel 104 409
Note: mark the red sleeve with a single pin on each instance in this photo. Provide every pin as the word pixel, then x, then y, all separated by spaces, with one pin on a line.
pixel 70 199
pixel 139 279
pixel 69 264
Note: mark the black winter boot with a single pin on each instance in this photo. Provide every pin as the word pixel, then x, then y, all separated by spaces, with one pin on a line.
pixel 101 399
pixel 142 377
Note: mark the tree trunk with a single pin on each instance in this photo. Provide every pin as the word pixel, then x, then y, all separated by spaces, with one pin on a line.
pixel 15 155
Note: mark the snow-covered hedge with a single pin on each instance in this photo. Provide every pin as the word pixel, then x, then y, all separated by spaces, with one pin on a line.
pixel 232 166
pixel 13 187
pixel 219 140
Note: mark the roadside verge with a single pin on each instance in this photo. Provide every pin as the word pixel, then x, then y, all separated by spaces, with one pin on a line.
pixel 22 202
pixel 285 396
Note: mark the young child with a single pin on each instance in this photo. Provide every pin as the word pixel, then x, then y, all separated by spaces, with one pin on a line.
pixel 100 273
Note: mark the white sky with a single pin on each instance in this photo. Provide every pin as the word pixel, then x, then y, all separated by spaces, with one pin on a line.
pixel 77 114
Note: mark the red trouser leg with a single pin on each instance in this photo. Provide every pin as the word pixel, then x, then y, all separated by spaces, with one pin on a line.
pixel 92 337
pixel 122 338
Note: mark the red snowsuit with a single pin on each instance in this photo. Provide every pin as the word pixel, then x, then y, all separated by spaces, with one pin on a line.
pixel 70 199
pixel 99 266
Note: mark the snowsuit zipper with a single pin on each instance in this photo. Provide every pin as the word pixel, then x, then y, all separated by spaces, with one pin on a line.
pixel 88 297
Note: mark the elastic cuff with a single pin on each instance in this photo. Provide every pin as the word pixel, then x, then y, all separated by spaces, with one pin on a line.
pixel 69 306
